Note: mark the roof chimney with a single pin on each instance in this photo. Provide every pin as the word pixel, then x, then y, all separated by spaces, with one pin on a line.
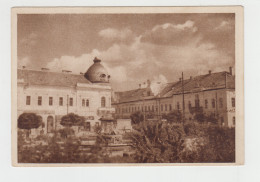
pixel 230 70
pixel 209 72
pixel 140 85
pixel 96 60
pixel 148 83
pixel 190 77
pixel 24 67
pixel 81 73
pixel 180 79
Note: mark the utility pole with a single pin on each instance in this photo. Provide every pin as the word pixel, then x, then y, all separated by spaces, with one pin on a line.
pixel 183 103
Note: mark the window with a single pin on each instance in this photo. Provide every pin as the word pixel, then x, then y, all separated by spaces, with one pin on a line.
pixel 152 108
pixel 220 102
pixel 233 102
pixel 61 101
pixel 83 102
pixel 178 105
pixel 166 107
pixel 71 101
pixel 145 108
pixel 234 120
pixel 148 108
pixel 170 107
pixel 40 100
pixel 213 103
pixel 28 100
pixel 161 107
pixel 50 101
pixel 189 104
pixel 87 103
pixel 197 101
pixel 103 102
pixel 206 103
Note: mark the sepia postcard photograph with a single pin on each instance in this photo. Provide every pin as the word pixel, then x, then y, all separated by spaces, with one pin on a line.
pixel 127 86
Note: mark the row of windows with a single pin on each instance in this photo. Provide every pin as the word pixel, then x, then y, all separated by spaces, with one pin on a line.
pixel 165 107
pixel 39 101
pixel 85 102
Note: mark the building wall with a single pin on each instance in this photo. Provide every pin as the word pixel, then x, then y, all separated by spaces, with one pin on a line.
pixel 219 103
pixel 92 113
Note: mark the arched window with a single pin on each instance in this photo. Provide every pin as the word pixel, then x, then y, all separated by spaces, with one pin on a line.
pixel 103 102
pixel 87 103
pixel 50 124
pixel 83 102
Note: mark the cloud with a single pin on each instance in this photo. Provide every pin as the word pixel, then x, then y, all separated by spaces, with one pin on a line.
pixel 112 34
pixel 159 54
pixel 72 63
pixel 172 34
pixel 158 83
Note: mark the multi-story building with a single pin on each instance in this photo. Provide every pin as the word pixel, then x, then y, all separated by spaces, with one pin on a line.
pixel 52 95
pixel 212 93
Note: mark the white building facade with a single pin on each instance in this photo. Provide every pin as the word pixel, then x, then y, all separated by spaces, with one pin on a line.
pixel 52 95
pixel 213 93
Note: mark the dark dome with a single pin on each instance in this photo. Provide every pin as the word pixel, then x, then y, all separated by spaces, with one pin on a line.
pixel 97 72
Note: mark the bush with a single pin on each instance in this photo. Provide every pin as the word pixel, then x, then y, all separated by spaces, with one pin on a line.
pixel 157 142
pixel 137 117
pixel 173 117
pixel 72 119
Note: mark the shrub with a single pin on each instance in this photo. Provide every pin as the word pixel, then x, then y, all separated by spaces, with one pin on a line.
pixel 137 117
pixel 72 119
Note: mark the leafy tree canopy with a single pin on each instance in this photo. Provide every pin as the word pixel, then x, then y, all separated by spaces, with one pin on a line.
pixel 72 119
pixel 29 121
pixel 137 117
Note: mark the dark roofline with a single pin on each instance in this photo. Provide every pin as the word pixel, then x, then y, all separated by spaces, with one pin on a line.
pixel 50 71
pixel 156 97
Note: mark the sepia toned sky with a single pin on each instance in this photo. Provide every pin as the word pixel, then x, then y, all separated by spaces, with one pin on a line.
pixel 133 48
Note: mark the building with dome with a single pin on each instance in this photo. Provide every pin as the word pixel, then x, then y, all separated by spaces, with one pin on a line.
pixel 52 95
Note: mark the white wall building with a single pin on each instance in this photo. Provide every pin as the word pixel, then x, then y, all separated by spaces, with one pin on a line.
pixel 53 95
pixel 214 93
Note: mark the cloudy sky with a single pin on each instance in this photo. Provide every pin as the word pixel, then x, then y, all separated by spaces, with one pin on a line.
pixel 133 48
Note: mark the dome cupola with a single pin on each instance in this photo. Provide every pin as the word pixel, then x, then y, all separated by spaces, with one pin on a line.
pixel 97 72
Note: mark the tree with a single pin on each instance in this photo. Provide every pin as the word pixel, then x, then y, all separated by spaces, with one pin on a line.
pixel 72 119
pixel 157 142
pixel 137 117
pixel 174 116
pixel 29 121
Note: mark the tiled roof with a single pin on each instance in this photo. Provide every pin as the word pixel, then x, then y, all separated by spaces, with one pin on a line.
pixel 132 95
pixel 34 77
pixel 199 83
